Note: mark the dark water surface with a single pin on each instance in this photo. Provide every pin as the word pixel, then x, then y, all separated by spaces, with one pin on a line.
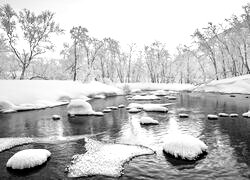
pixel 228 139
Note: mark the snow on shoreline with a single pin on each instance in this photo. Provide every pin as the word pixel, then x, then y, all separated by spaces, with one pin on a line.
pixel 238 85
pixel 18 95
pixel 156 86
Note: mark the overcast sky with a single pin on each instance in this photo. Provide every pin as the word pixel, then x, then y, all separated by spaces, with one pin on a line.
pixel 138 21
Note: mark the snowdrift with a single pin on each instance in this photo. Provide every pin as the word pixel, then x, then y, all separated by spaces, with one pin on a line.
pixel 17 95
pixel 240 84
pixel 104 159
pixel 28 158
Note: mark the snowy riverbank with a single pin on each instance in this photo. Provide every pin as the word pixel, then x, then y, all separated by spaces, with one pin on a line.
pixel 239 85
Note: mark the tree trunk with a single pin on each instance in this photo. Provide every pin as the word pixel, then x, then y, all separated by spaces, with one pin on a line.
pixel 75 63
pixel 23 72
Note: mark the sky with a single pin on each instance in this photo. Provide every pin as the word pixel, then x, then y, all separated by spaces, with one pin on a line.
pixel 134 21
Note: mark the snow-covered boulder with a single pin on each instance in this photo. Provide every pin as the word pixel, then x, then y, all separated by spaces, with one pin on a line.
pixel 80 107
pixel 148 121
pixel 145 98
pixel 171 97
pixel 223 115
pixel 112 107
pixel 154 108
pixel 212 116
pixel 181 145
pixel 121 106
pixel 246 114
pixel 160 93
pixel 135 105
pixel 56 117
pixel 233 115
pixel 28 158
pixel 134 110
pixel 106 110
pixel 183 115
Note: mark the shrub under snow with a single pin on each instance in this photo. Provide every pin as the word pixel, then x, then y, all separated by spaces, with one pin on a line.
pixel 81 107
pixel 28 158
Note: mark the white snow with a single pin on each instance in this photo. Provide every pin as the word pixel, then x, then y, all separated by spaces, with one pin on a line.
pixel 154 108
pixel 8 143
pixel 81 107
pixel 212 116
pixel 160 93
pixel 16 95
pixel 183 115
pixel 144 98
pixel 104 159
pixel 240 84
pixel 135 105
pixel 233 115
pixel 99 96
pixel 223 114
pixel 121 106
pixel 56 117
pixel 246 114
pixel 106 110
pixel 170 97
pixel 28 158
pixel 156 86
pixel 148 120
pixel 134 110
pixel 182 145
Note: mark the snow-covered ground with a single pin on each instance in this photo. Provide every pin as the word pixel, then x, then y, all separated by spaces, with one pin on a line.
pixel 155 86
pixel 240 84
pixel 35 94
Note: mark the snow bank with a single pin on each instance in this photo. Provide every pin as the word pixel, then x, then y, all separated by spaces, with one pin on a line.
pixel 160 93
pixel 8 143
pixel 240 84
pixel 81 107
pixel 156 86
pixel 148 121
pixel 19 95
pixel 246 114
pixel 144 98
pixel 182 146
pixel 28 158
pixel 104 159
pixel 170 97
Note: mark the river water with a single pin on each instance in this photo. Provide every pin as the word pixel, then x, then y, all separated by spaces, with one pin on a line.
pixel 228 139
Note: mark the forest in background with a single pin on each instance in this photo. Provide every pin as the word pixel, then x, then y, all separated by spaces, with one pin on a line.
pixel 218 51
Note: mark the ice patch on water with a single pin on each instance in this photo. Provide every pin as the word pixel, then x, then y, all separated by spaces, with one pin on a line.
pixel 104 159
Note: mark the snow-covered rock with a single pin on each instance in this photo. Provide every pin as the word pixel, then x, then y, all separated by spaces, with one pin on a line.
pixel 212 116
pixel 181 145
pixel 240 84
pixel 56 117
pixel 106 110
pixel 183 115
pixel 170 97
pixel 135 105
pixel 112 107
pixel 121 106
pixel 154 108
pixel 246 114
pixel 145 98
pixel 148 121
pixel 233 115
pixel 81 107
pixel 134 110
pixel 28 158
pixel 99 96
pixel 160 93
pixel 104 159
pixel 223 115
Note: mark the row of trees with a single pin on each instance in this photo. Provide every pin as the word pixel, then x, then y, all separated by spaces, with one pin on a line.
pixel 218 51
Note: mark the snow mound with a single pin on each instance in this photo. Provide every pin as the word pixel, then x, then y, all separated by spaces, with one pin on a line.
pixel 160 93
pixel 121 106
pixel 246 114
pixel 56 117
pixel 104 159
pixel 144 98
pixel 112 107
pixel 183 115
pixel 134 110
pixel 99 96
pixel 148 121
pixel 28 158
pixel 154 108
pixel 39 94
pixel 223 115
pixel 181 145
pixel 81 107
pixel 106 110
pixel 135 105
pixel 8 143
pixel 233 115
pixel 240 84
pixel 212 116
pixel 170 97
